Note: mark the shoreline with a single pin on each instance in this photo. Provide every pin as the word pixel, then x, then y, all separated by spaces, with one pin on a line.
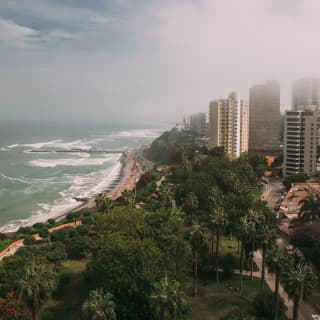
pixel 129 173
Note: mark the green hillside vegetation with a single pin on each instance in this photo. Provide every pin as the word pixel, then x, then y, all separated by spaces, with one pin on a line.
pixel 169 147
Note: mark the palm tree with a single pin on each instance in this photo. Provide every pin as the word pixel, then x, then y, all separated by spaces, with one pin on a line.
pixel 217 219
pixel 38 282
pixel 168 300
pixel 299 281
pixel 257 220
pixel 99 306
pixel 278 261
pixel 100 199
pixel 104 202
pixel 267 233
pixel 166 196
pixel 244 231
pixel 196 238
pixel 191 203
pixel 128 198
pixel 310 209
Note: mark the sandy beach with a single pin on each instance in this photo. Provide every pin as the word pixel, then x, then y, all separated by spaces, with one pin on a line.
pixel 132 171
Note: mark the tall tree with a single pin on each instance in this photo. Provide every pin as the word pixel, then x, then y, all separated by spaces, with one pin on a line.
pixel 196 238
pixel 191 203
pixel 38 282
pixel 218 219
pixel 99 306
pixel 278 260
pixel 168 300
pixel 267 232
pixel 256 219
pixel 310 209
pixel 244 234
pixel 299 281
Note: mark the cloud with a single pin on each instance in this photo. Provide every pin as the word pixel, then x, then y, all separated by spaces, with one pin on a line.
pixel 15 35
pixel 152 59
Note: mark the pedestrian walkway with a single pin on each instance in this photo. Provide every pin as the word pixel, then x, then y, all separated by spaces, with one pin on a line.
pixel 12 248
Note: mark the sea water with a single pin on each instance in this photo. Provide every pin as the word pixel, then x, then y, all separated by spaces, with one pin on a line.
pixel 36 186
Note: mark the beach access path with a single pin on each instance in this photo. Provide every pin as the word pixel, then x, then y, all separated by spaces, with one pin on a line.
pixel 13 247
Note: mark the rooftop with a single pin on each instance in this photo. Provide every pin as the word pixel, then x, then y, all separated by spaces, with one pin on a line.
pixel 292 202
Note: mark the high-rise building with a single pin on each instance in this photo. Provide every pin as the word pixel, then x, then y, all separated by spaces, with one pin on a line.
pixel 244 126
pixel 305 93
pixel 198 124
pixel 228 125
pixel 264 118
pixel 300 142
pixel 306 96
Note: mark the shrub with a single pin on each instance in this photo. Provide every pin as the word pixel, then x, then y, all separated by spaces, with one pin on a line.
pixel 44 233
pixel 238 314
pixel 64 235
pixel 29 241
pixel 25 230
pixel 64 280
pixel 38 226
pixel 52 222
pixel 2 236
pixel 263 306
pixel 78 247
pixel 88 220
pixel 229 263
pixel 83 230
pixel 47 315
pixel 310 247
pixel 57 252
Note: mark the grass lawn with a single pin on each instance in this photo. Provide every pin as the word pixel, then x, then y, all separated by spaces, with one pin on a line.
pixel 215 301
pixel 69 300
pixel 229 246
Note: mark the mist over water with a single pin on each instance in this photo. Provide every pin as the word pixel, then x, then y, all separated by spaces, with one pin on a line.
pixel 36 186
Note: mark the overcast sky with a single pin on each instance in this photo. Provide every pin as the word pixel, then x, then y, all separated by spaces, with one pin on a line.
pixel 153 60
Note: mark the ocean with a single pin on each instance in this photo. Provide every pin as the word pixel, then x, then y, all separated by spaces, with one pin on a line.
pixel 36 186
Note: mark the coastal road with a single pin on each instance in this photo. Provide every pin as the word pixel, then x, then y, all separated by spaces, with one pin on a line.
pixel 308 310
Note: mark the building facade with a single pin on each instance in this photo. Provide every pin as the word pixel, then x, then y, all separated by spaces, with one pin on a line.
pixel 300 142
pixel 306 92
pixel 306 96
pixel 264 119
pixel 228 125
pixel 198 124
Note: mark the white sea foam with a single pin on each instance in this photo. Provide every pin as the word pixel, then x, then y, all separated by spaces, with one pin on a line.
pixel 81 186
pixel 3 177
pixel 84 160
pixel 145 133
pixel 54 144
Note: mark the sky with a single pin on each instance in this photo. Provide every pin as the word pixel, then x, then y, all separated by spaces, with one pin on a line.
pixel 148 60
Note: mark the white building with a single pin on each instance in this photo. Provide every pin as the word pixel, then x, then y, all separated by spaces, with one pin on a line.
pixel 229 125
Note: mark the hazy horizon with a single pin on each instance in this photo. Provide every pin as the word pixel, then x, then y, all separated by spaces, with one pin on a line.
pixel 148 61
